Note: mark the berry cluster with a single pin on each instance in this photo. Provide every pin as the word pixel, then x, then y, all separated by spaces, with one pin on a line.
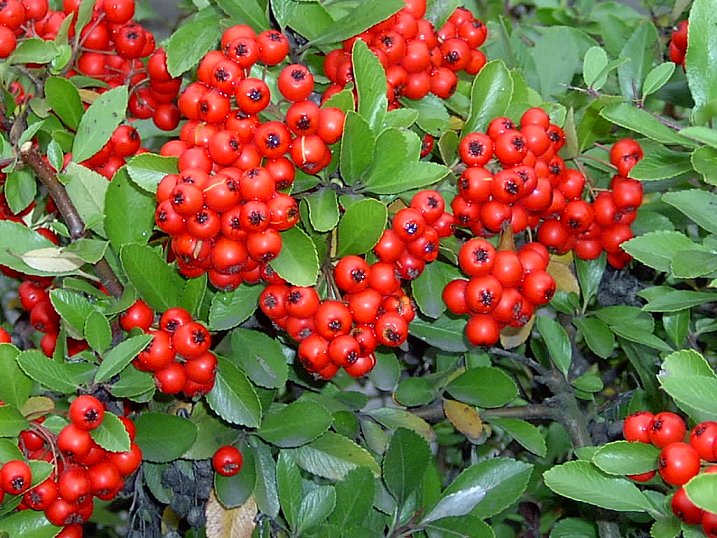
pixel 370 307
pixel 418 59
pixel 224 210
pixel 83 469
pixel 677 48
pixel 534 189
pixel 504 288
pixel 178 355
pixel 111 47
pixel 678 461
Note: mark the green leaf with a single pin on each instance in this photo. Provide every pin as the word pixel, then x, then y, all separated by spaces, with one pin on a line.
pixel 233 398
pixel 598 336
pixel 120 356
pixel 698 205
pixel 147 170
pixel 311 20
pixel 98 332
pixel 354 498
pixel 705 135
pixel 246 12
pixel 571 527
pixel 699 61
pixel 642 122
pixel 694 263
pixel 193 40
pixel 676 300
pixel 99 122
pixel 323 209
pixel 193 295
pixel 415 391
pixel 370 81
pixel 361 227
pixel 164 437
pixel 20 190
pixel 557 342
pixel 87 190
pixel 624 458
pixel 491 94
pixel 362 17
pixel 357 148
pixel 483 387
pixel 28 524
pixel 662 163
pixel 524 433
pixel 229 309
pixel 444 332
pixel 34 50
pixel 332 456
pixel 16 386
pixel 62 378
pixel 433 117
pixel 288 483
pixel 428 287
pixel 64 99
pixel 295 425
pixel 129 212
pixel 298 261
pixel 72 307
pixel 212 433
pixel 260 357
pixel 315 507
pixel 657 78
pixel 594 65
pixel 456 504
pixel 459 527
pixel 657 249
pixel 133 384
pixel 702 491
pixel 704 160
pixel 407 454
pixel 15 240
pixel 582 481
pixel 640 51
pixel 589 273
pixel 11 421
pixel 155 281
pixel 504 481
pixel 386 373
pixel 267 498
pixel 393 418
pixel 111 434
pixel 689 379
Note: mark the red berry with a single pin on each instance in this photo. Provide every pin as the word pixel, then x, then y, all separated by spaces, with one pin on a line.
pixel 86 412
pixel 666 428
pixel 636 427
pixel 227 460
pixel 678 463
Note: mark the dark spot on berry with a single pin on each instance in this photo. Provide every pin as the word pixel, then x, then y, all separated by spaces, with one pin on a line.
pixel 255 95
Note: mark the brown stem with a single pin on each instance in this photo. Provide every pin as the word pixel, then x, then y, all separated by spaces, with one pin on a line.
pixel 525 412
pixel 69 213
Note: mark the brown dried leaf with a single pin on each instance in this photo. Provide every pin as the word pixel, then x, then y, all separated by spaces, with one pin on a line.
pixel 512 337
pixel 464 418
pixel 565 279
pixel 230 523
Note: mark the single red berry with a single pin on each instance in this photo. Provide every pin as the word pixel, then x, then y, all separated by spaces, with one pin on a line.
pixel 678 463
pixel 227 460
pixel 86 412
pixel 666 428
pixel 636 427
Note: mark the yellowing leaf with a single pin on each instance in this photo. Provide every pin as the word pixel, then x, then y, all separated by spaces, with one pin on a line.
pixel 512 337
pixel 230 523
pixel 565 280
pixel 464 418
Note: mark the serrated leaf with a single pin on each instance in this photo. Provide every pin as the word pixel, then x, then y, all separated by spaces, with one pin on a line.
pixel 34 50
pixel 20 190
pixel 598 336
pixel 11 421
pixel 288 483
pixel 491 94
pixel 582 481
pixel 483 387
pixel 65 101
pixel 323 209
pixel 99 122
pixel 557 341
pixel 456 504
pixel 246 12
pixel 407 452
pixel 164 437
pixel 295 425
pixel 315 507
pixel 229 309
pixel 657 249
pixel 120 356
pixel 362 17
pixel 642 122
pixel 332 456
pixel 111 434
pixel 698 205
pixel 699 65
pixel 129 212
pixel 191 41
pixel 97 332
pixel 624 458
pixel 155 281
pixel 87 190
pixel 298 261
pixel 524 433
pixel 233 398
pixel 428 287
pixel 370 80
pixel 63 378
pixel 662 163
pixel 260 357
pixel 444 332
pixel 357 148
pixel 147 170
pixel 639 50
pixel 16 386
pixel 702 491
pixel 361 227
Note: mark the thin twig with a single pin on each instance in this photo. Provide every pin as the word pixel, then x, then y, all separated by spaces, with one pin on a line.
pixel 69 213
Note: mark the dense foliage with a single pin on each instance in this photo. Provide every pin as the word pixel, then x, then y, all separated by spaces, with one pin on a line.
pixel 358 268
